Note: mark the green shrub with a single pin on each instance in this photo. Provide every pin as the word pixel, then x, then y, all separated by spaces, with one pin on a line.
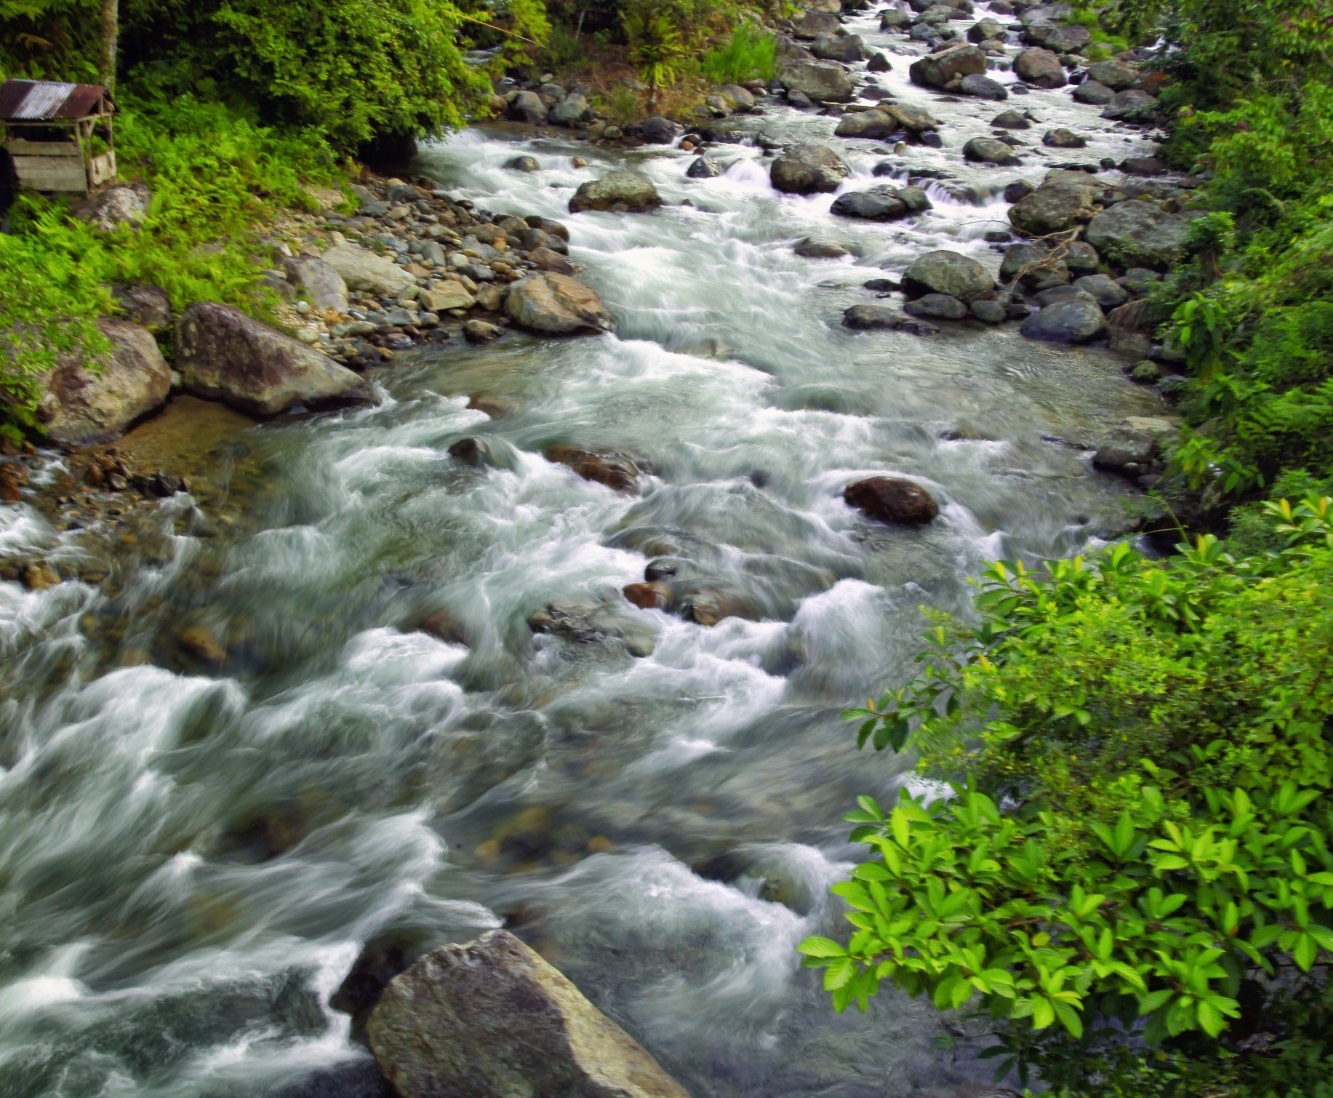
pixel 750 54
pixel 1139 855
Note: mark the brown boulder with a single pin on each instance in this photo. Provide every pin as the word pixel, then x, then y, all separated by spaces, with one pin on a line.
pixel 614 470
pixel 892 499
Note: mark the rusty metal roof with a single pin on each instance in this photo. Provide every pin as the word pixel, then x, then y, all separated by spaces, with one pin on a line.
pixel 45 100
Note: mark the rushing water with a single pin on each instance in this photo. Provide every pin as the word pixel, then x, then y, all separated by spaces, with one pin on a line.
pixel 192 856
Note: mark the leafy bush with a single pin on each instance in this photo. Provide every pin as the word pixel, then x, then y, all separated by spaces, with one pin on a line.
pixel 1140 854
pixel 750 54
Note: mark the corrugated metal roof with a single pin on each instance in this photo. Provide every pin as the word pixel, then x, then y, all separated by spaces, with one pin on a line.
pixel 45 100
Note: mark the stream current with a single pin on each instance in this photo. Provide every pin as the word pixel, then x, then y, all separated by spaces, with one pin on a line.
pixel 191 859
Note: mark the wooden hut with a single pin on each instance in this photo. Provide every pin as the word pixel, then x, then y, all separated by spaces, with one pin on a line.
pixel 59 135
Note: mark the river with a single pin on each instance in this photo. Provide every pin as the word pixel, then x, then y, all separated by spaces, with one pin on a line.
pixel 192 858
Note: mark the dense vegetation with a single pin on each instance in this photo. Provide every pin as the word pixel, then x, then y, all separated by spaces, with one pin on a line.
pixel 1132 879
pixel 229 107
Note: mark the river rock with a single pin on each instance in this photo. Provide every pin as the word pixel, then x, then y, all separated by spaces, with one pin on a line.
pixel 982 87
pixel 822 81
pixel 984 30
pixel 1130 105
pixel 1011 120
pixel 1062 200
pixel 820 249
pixel 1071 320
pixel 1063 139
pixel 917 121
pixel 597 623
pixel 877 205
pixel 1102 289
pixel 1062 38
pixel 847 48
pixel 1140 233
pixel 705 167
pixel 1116 75
pixel 893 500
pixel 222 354
pixel 522 164
pixel 741 99
pixel 656 130
pixel 621 192
pixel 82 406
pixel 946 272
pixel 527 106
pixel 556 304
pixel 650 595
pixel 1092 93
pixel 571 110
pixel 815 23
pixel 616 471
pixel 865 318
pixel 481 331
pixel 878 63
pixel 362 269
pixel 493 1018
pixel 443 296
pixel 874 124
pixel 989 150
pixel 946 68
pixel 807 169
pixel 1040 68
pixel 1030 263
pixel 937 307
pixel 323 287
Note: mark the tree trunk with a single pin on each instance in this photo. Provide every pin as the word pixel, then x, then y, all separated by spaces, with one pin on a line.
pixel 106 67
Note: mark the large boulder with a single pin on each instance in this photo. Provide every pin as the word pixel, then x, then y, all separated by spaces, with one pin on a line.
pixel 571 110
pixel 892 499
pixel 493 1018
pixel 946 272
pixel 813 24
pixel 527 106
pixel 875 125
pixel 362 269
pixel 946 68
pixel 847 48
pixel 915 120
pixel 615 470
pixel 1140 233
pixel 1063 200
pixel 1040 68
pixel 989 150
pixel 1062 38
pixel 91 403
pixel 1130 105
pixel 878 205
pixel 808 169
pixel 822 81
pixel 118 204
pixel 556 304
pixel 322 286
pixel 222 354
pixel 1075 319
pixel 622 192
pixel 982 87
pixel 1116 75
pixel 1093 93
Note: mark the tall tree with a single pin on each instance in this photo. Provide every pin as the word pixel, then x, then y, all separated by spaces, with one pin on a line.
pixel 106 65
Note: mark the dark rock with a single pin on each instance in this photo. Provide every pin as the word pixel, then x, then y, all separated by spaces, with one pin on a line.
pixel 1142 165
pixel 222 354
pixel 878 63
pixel 1131 105
pixel 1073 320
pixel 984 30
pixel 1140 233
pixel 1102 289
pixel 893 500
pixel 492 1018
pixel 807 169
pixel 621 192
pixel 1018 190
pixel 1032 265
pixel 982 87
pixel 824 81
pixel 1094 94
pixel 870 206
pixel 883 285
pixel 989 312
pixel 877 317
pixel 1082 258
pixel 1062 200
pixel 1011 120
pixel 656 130
pixel 704 167
pixel 1061 38
pixel 1116 75
pixel 937 307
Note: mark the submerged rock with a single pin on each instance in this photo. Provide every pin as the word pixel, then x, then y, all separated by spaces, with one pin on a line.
pixel 614 470
pixel 892 499
pixel 493 1018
